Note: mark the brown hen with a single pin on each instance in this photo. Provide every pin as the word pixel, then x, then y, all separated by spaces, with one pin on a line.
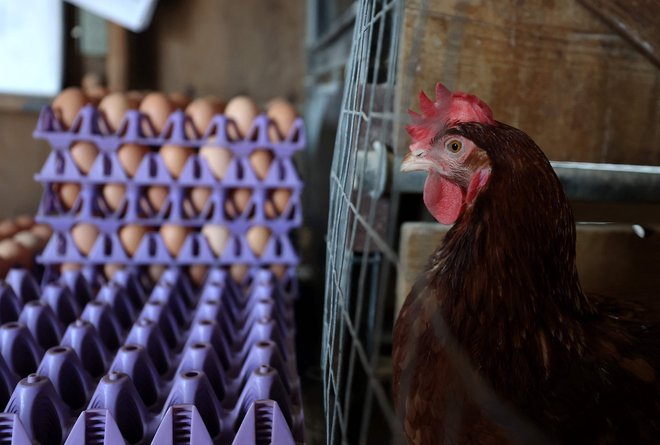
pixel 497 343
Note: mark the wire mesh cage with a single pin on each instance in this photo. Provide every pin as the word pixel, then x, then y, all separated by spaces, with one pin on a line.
pixel 360 257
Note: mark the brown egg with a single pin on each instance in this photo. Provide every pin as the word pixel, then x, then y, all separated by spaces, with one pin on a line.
pixel 217 236
pixel 238 272
pixel 43 231
pixel 114 107
pixel 84 154
pixel 260 159
pixel 31 240
pixel 24 222
pixel 95 94
pixel 130 156
pixel 8 228
pixel 67 104
pixel 217 158
pixel 15 253
pixel 68 193
pixel 130 236
pixel 157 195
pixel 199 197
pixel 28 240
pixel 236 201
pixel 257 237
pixel 179 100
pixel 155 271
pixel 279 270
pixel 91 80
pixel 158 107
pixel 242 110
pixel 110 269
pixel 174 236
pixel 279 198
pixel 70 266
pixel 197 273
pixel 202 110
pixel 136 96
pixel 84 235
pixel 114 195
pixel 283 114
pixel 175 157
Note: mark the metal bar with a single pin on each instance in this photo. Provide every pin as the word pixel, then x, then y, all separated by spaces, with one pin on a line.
pixel 582 181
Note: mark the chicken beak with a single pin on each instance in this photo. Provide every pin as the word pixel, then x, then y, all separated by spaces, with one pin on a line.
pixel 416 160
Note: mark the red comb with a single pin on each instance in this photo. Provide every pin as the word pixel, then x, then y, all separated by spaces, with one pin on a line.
pixel 448 109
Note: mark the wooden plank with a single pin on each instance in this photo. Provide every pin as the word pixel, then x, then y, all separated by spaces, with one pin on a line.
pixel 550 68
pixel 638 21
pixel 612 260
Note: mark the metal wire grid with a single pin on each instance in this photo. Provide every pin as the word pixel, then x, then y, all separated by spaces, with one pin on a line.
pixel 359 259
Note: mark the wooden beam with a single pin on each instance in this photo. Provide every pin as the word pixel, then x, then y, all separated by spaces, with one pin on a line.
pixel 637 21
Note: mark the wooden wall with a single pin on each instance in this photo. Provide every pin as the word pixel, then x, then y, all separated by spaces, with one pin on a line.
pixel 227 47
pixel 21 157
pixel 551 68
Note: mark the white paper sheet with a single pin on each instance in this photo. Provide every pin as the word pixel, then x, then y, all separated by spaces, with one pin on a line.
pixel 31 47
pixel 132 14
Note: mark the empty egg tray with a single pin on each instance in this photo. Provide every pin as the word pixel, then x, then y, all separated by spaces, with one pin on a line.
pixel 169 364
pixel 91 207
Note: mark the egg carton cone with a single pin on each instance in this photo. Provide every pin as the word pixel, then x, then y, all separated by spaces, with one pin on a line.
pixel 183 425
pixel 140 368
pixel 10 304
pixel 24 285
pixel 108 249
pixel 264 423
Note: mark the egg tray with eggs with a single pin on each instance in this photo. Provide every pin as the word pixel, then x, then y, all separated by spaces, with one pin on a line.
pixel 213 364
pixel 84 244
pixel 186 181
pixel 109 196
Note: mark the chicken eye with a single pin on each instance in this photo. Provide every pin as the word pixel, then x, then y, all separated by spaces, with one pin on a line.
pixel 454 146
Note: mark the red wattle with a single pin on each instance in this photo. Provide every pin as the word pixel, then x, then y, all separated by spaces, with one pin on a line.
pixel 442 198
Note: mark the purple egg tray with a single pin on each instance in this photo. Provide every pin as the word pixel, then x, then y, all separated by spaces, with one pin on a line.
pixel 127 361
pixel 91 207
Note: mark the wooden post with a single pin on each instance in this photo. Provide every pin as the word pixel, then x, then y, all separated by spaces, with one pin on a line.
pixel 116 64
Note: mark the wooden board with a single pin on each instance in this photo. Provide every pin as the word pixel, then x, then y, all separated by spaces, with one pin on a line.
pixel 612 260
pixel 638 21
pixel 552 69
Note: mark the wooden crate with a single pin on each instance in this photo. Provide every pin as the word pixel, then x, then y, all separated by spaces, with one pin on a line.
pixel 551 68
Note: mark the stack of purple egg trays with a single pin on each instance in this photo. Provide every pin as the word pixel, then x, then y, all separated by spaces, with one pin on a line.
pixel 91 207
pixel 87 360
pixel 173 365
